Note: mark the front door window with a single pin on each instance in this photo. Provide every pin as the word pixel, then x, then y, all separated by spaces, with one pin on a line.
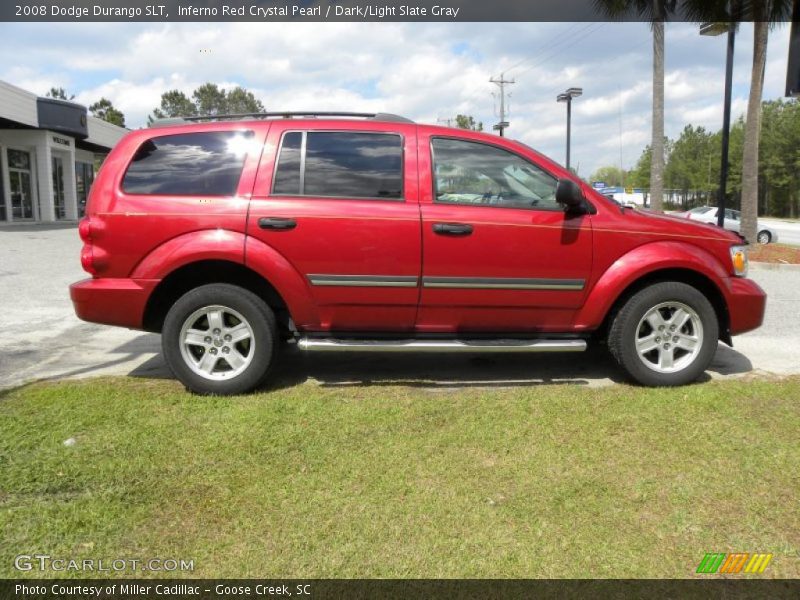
pixel 479 174
pixel 19 175
pixel 58 188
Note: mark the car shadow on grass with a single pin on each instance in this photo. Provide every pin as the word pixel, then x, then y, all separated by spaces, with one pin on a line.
pixel 450 371
pixel 444 370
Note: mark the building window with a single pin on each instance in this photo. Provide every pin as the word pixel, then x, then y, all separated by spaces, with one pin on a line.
pixel 189 164
pixel 84 177
pixel 19 178
pixel 345 164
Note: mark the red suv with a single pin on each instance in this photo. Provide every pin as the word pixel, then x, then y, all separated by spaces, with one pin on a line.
pixel 358 232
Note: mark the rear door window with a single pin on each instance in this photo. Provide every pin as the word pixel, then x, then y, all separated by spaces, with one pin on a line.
pixel 340 164
pixel 189 164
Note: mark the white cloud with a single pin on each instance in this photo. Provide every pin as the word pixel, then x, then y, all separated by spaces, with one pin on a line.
pixel 424 71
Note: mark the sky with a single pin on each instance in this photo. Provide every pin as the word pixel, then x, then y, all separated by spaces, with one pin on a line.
pixel 424 71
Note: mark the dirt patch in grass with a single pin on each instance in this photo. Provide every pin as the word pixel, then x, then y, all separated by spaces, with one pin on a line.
pixel 775 253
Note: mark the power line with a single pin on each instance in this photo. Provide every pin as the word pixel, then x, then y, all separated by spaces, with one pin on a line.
pixel 556 49
pixel 561 34
pixel 552 51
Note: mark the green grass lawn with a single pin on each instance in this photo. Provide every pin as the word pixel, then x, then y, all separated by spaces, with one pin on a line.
pixel 400 481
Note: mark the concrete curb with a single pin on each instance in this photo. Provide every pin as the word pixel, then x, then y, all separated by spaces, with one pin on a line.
pixel 764 266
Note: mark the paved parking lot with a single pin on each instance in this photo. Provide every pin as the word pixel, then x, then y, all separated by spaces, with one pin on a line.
pixel 42 338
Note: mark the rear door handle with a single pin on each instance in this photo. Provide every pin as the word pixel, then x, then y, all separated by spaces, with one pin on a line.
pixel 277 223
pixel 452 228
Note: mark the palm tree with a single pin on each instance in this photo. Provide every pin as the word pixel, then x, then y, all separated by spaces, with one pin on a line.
pixel 657 142
pixel 766 14
pixel 752 132
pixel 654 11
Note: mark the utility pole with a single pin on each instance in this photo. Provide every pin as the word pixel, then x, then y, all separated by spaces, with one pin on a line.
pixel 501 83
pixel 448 120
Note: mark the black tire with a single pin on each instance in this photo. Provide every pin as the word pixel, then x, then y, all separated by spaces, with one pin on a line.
pixel 257 315
pixel 628 325
pixel 764 237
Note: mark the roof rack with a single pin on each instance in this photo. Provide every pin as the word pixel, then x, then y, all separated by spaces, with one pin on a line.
pixel 281 115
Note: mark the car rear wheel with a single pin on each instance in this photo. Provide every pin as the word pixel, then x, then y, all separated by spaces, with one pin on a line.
pixel 220 339
pixel 764 237
pixel 665 334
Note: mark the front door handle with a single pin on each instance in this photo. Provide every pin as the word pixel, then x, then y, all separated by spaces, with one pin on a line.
pixel 277 223
pixel 452 228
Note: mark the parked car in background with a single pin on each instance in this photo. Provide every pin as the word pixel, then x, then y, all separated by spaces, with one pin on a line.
pixel 372 233
pixel 733 221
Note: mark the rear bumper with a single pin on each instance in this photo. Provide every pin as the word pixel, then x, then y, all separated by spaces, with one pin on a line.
pixel 118 302
pixel 746 304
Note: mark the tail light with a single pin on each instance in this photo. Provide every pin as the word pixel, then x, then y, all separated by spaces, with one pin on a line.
pixel 85 230
pixel 87 260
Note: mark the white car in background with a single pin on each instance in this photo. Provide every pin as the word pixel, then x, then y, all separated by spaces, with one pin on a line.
pixel 733 220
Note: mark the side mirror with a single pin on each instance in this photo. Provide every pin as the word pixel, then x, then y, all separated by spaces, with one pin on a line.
pixel 569 194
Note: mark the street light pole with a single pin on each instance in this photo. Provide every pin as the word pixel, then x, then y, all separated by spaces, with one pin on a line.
pixel 567 97
pixel 726 127
pixel 569 127
pixel 713 29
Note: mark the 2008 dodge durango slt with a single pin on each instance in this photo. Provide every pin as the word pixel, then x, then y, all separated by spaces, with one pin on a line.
pixel 359 232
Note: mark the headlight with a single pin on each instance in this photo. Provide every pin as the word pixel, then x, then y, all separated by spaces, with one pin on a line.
pixel 739 260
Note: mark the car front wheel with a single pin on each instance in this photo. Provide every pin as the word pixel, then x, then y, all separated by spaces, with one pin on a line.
pixel 219 339
pixel 665 334
pixel 764 237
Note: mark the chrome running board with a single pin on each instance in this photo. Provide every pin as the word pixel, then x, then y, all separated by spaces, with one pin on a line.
pixel 477 346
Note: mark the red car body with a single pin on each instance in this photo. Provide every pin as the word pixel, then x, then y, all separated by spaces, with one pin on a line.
pixel 143 250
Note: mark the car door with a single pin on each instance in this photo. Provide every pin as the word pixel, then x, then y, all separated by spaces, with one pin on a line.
pixel 342 208
pixel 732 221
pixel 499 254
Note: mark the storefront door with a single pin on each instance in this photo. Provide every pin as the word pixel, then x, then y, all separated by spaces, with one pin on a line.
pixel 58 188
pixel 19 176
pixel 84 176
pixel 3 214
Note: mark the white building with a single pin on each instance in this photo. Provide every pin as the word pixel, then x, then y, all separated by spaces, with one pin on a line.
pixel 47 155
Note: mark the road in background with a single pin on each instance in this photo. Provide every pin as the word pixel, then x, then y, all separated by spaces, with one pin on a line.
pixel 788 231
pixel 43 339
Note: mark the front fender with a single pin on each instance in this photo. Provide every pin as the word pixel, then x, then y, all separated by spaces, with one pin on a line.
pixel 639 262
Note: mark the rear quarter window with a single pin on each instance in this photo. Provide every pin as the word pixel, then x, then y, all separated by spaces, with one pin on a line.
pixel 189 164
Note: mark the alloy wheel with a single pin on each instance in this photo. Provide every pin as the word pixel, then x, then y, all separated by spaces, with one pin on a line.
pixel 669 337
pixel 217 342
